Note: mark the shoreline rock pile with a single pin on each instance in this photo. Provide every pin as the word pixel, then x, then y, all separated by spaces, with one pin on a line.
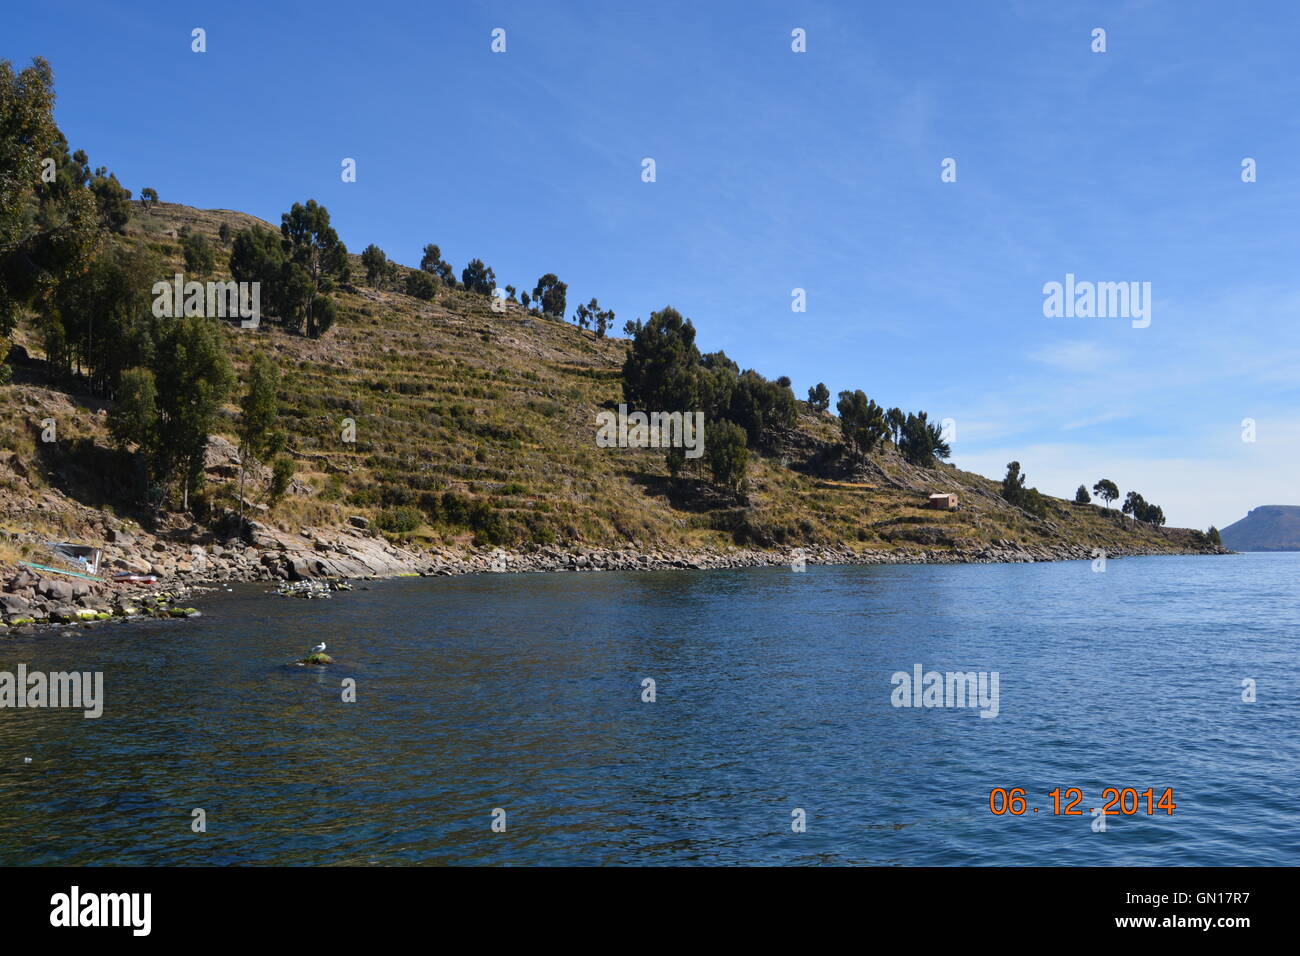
pixel 31 597
pixel 447 562
pixel 311 588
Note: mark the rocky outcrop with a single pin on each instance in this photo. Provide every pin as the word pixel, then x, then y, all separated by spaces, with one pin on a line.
pixel 32 597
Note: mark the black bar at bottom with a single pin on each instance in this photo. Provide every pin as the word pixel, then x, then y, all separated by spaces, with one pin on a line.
pixel 651 905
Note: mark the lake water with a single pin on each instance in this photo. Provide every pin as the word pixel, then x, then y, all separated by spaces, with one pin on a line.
pixel 773 693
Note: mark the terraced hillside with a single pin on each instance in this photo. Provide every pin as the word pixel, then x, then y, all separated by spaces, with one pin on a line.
pixel 482 425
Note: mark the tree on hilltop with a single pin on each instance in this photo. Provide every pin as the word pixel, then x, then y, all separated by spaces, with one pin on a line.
pixel 1106 490
pixel 433 263
pixel 549 294
pixel 862 421
pixel 376 264
pixel 921 441
pixel 659 371
pixel 593 315
pixel 314 247
pixel 421 285
pixel 1015 492
pixel 478 277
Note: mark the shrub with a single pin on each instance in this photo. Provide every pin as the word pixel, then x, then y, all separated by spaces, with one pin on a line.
pixel 400 520
pixel 455 508
pixel 199 256
pixel 725 446
pixel 281 474
pixel 421 285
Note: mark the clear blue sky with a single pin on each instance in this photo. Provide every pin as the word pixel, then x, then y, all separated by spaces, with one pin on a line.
pixel 779 170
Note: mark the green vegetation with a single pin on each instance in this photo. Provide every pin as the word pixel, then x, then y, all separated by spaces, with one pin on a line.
pixel 200 258
pixel 312 246
pixel 1141 510
pixel 1106 490
pixel 469 423
pixel 297 270
pixel 282 470
pixel 100 323
pixel 862 422
pixel 728 455
pixel 478 277
pixel 167 409
pixel 593 316
pixel 921 442
pixel 49 221
pixel 375 263
pixel 549 294
pixel 259 438
pixel 113 201
pixel 421 285
pixel 662 369
pixel 432 263
pixel 1015 492
pixel 399 520
pixel 664 372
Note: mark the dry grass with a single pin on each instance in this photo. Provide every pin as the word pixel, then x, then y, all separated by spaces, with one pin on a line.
pixel 498 410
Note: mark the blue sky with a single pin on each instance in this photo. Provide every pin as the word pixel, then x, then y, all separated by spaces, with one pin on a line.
pixel 778 170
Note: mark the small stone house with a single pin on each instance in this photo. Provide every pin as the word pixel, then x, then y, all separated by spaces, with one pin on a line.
pixel 943 501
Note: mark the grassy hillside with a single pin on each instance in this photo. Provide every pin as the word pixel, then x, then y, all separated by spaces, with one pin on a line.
pixel 484 423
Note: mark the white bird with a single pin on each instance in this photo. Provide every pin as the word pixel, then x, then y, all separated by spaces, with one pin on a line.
pixel 318 648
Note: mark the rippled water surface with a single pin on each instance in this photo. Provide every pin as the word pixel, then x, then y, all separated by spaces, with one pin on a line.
pixel 523 692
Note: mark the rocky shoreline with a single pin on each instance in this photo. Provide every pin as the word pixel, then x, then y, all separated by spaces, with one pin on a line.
pixel 32 597
pixel 548 559
pixel 184 567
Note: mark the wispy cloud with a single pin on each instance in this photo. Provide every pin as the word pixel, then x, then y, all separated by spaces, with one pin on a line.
pixel 1077 355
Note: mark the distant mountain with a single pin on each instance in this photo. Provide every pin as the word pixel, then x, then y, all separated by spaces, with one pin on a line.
pixel 1266 528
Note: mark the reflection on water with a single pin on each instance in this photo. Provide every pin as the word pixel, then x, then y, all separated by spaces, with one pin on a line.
pixel 773 693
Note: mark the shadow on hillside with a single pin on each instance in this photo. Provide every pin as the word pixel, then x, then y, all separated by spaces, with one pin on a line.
pixel 81 469
pixel 686 494
pixel 90 474
pixel 33 371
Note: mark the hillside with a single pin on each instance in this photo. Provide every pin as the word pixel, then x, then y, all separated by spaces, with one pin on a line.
pixel 1266 528
pixel 484 423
